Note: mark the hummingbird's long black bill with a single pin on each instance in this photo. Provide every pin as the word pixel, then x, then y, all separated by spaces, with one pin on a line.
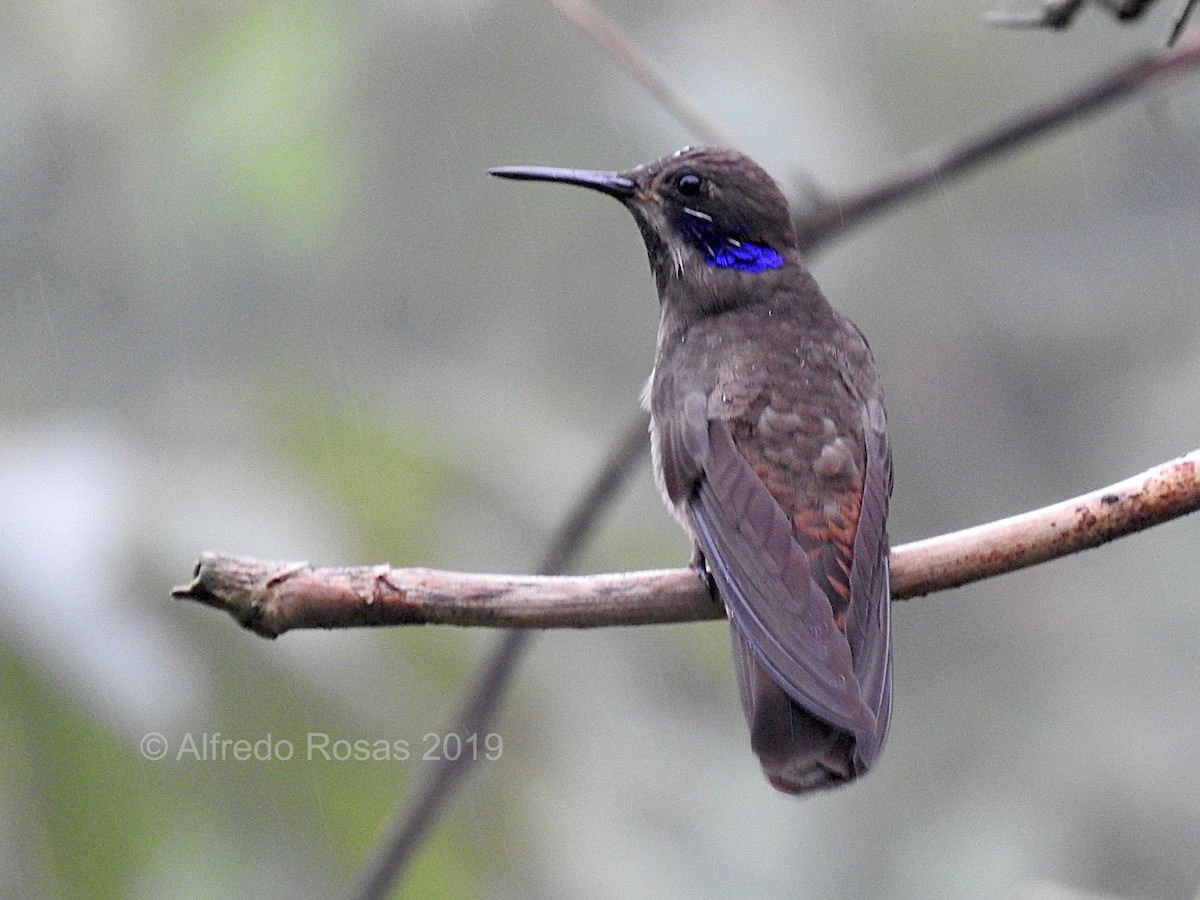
pixel 606 182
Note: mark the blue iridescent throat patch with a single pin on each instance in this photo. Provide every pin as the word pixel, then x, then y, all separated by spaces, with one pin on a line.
pixel 744 256
pixel 723 249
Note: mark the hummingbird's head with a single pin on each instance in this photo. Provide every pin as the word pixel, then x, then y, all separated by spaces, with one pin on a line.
pixel 716 226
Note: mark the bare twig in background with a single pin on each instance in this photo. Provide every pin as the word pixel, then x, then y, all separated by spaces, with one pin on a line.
pixel 662 88
pixel 935 165
pixel 1177 24
pixel 1060 13
pixel 420 812
pixel 824 216
pixel 674 99
pixel 271 598
pixel 489 680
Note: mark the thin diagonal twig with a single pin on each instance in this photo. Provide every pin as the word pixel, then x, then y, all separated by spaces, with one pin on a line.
pixel 667 92
pixel 489 681
pixel 1181 16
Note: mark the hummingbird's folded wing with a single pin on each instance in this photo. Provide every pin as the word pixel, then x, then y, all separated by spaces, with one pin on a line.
pixel 868 617
pixel 765 579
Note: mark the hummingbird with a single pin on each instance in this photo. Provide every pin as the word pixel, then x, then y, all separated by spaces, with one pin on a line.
pixel 769 444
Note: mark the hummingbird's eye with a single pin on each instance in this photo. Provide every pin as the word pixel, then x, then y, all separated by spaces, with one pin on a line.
pixel 688 183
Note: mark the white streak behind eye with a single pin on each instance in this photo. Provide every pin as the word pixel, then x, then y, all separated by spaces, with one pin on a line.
pixel 695 213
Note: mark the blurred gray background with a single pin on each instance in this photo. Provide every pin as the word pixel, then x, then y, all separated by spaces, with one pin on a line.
pixel 257 295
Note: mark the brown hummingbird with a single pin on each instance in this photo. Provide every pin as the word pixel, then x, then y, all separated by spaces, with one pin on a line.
pixel 769 443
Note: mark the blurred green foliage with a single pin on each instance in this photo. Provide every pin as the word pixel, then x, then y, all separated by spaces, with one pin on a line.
pixel 391 479
pixel 259 96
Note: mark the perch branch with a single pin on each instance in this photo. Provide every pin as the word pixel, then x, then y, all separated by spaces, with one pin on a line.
pixel 271 598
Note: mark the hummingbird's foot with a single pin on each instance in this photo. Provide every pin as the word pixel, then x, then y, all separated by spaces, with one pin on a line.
pixel 698 565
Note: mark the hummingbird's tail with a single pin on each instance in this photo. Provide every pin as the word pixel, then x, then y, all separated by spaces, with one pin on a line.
pixel 798 752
